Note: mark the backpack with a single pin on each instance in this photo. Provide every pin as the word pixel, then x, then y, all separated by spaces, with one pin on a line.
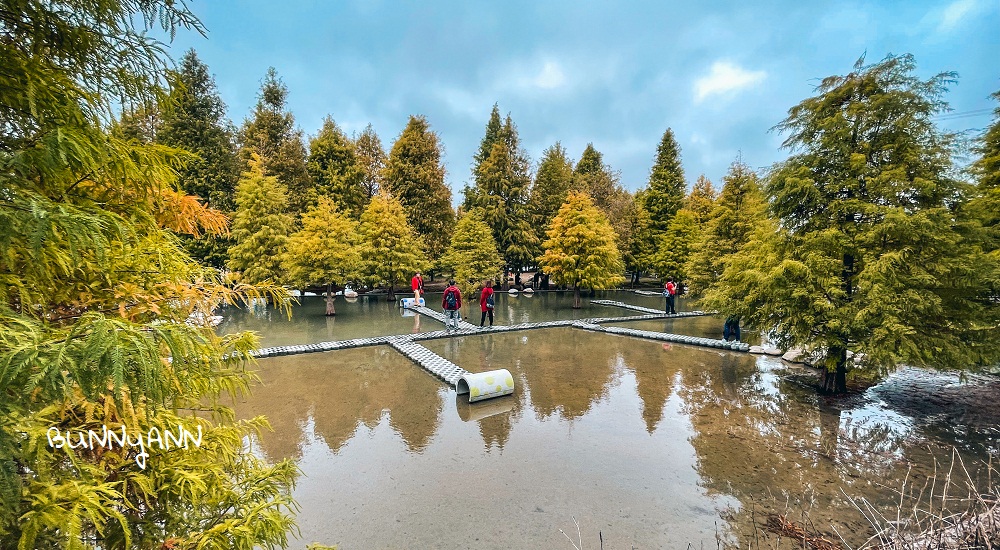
pixel 489 302
pixel 450 300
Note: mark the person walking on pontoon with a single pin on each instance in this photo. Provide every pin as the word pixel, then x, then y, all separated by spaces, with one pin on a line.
pixel 451 302
pixel 670 292
pixel 486 303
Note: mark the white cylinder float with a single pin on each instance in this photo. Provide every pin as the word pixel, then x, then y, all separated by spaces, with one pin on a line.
pixel 486 385
pixel 408 302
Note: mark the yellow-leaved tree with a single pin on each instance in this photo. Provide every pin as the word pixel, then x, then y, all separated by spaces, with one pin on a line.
pixel 99 306
pixel 323 252
pixel 581 251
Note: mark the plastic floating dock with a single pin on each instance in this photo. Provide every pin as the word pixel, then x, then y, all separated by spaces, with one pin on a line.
pixel 647 309
pixel 430 361
pixel 435 314
pixel 478 386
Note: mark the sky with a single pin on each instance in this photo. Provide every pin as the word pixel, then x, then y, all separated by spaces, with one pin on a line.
pixel 719 73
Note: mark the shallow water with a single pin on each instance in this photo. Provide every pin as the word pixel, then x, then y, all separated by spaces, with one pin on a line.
pixel 644 443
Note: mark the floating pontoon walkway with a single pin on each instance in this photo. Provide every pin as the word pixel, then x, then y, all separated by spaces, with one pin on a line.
pixel 435 314
pixel 647 309
pixel 451 373
pixel 648 293
pixel 430 361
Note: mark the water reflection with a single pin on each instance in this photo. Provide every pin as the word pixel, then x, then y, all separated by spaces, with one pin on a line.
pixel 342 392
pixel 644 442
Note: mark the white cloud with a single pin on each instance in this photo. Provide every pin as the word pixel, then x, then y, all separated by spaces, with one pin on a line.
pixel 725 78
pixel 955 13
pixel 551 76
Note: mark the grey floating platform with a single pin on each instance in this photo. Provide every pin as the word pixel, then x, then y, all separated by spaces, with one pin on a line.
pixel 428 360
pixel 648 309
pixel 648 293
pixel 435 314
pixel 451 373
pixel 665 336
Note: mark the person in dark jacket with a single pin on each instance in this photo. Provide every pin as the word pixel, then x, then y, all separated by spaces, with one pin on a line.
pixel 486 303
pixel 451 302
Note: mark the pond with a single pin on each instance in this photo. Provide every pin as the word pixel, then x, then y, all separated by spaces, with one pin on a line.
pixel 644 444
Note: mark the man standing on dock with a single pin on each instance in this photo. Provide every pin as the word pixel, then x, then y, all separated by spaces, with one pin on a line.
pixel 451 302
pixel 670 292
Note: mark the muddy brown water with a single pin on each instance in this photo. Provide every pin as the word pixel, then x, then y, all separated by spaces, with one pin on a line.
pixel 645 444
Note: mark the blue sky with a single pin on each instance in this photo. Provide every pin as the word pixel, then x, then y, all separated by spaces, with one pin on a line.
pixel 719 73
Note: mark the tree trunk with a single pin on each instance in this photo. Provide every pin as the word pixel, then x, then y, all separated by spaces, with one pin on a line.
pixel 576 297
pixel 330 309
pixel 835 381
pixel 392 293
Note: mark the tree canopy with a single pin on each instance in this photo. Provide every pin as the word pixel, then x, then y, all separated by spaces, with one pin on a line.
pixel 195 121
pixel 581 251
pixel 96 291
pixel 867 254
pixel 736 213
pixel 414 175
pixel 391 250
pixel 500 193
pixel 260 228
pixel 472 255
pixel 270 133
pixel 335 171
pixel 667 188
pixel 323 252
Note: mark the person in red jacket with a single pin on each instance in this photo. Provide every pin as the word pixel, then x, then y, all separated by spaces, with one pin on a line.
pixel 417 284
pixel 486 303
pixel 451 302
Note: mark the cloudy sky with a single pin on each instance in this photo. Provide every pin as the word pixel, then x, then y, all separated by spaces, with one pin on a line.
pixel 720 73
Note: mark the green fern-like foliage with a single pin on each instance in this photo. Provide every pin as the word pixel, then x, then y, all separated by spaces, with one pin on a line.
pixel 96 294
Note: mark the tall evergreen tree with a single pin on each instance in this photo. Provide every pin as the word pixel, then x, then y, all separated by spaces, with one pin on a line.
pixel 335 171
pixel 603 185
pixel 494 129
pixel 196 121
pixel 701 199
pixel 260 227
pixel 866 255
pixel 502 183
pixel 371 158
pixel 472 255
pixel 271 134
pixel 986 206
pixel 390 249
pixel 739 209
pixel 324 251
pixel 553 182
pixel 675 246
pixel 666 191
pixel 415 176
pixel 581 251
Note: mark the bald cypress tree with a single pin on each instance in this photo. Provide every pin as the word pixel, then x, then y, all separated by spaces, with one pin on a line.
pixel 867 253
pixel 580 251
pixel 502 182
pixel 737 212
pixel 196 121
pixel 390 250
pixel 335 171
pixel 414 175
pixel 986 206
pixel 371 158
pixel 270 133
pixel 666 191
pixel 261 227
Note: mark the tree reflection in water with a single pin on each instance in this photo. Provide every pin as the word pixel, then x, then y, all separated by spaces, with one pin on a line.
pixel 342 391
